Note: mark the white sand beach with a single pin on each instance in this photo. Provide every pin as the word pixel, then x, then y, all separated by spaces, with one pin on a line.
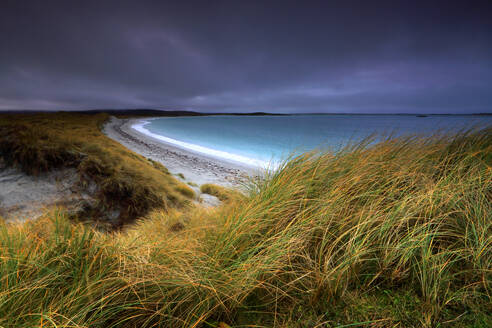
pixel 196 167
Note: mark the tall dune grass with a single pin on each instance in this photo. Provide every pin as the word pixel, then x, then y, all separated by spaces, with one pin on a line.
pixel 396 234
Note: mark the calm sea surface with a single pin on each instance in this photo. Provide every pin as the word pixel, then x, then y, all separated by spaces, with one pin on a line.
pixel 258 140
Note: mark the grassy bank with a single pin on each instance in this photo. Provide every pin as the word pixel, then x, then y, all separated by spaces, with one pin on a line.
pixel 119 180
pixel 392 235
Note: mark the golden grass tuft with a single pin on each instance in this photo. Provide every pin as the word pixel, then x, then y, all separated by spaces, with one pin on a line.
pixel 222 193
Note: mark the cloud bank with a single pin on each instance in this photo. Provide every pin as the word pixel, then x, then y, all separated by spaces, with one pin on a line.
pixel 235 56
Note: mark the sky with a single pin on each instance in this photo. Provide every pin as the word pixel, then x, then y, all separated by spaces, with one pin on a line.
pixel 244 56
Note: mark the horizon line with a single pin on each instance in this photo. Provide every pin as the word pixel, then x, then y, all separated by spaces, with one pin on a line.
pixel 225 113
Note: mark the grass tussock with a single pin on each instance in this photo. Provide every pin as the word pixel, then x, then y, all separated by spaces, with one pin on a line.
pixel 397 234
pixel 122 180
pixel 222 193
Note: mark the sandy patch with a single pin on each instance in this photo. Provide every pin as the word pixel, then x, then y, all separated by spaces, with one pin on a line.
pixel 25 197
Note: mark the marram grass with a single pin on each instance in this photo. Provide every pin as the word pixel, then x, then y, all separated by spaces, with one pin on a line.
pixel 222 193
pixel 396 234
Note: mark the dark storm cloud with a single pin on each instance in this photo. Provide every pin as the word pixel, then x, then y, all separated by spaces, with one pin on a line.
pixel 330 56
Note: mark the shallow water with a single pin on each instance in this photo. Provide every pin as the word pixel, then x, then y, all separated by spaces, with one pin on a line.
pixel 260 140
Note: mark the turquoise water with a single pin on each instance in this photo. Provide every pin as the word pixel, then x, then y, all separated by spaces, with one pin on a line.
pixel 259 140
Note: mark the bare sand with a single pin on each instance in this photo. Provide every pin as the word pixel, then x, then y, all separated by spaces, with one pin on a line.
pixel 195 167
pixel 25 197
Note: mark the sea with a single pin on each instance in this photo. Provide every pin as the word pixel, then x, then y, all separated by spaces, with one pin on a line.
pixel 266 141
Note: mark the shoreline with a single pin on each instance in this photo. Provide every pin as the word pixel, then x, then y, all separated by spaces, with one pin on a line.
pixel 221 156
pixel 196 167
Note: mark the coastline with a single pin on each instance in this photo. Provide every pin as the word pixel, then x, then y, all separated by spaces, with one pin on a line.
pixel 196 167
pixel 195 148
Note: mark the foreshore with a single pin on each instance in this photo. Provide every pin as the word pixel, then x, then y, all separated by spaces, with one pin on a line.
pixel 195 167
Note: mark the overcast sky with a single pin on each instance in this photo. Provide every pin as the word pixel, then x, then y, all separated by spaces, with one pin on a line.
pixel 223 56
